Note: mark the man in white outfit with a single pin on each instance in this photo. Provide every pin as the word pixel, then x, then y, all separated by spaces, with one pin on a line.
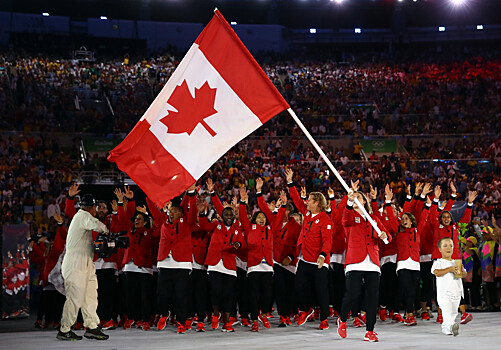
pixel 79 273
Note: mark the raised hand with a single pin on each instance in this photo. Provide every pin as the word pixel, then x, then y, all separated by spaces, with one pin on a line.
pixel 234 202
pixel 259 184
pixel 114 205
pixel 58 218
pixel 271 205
pixel 453 187
pixel 428 200
pixel 303 192
pixel 438 192
pixel 388 193
pixel 128 193
pixel 472 195
pixel 408 190
pixel 426 189
pixel 289 174
pixel 330 192
pixel 419 188
pixel 210 185
pixel 120 195
pixel 244 194
pixel 73 190
pixel 354 185
pixel 142 209
pixel 373 192
pixel 283 197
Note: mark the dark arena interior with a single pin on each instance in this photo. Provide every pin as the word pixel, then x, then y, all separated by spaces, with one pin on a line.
pixel 299 190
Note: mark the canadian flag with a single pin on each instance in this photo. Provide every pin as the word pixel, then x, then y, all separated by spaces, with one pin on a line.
pixel 216 97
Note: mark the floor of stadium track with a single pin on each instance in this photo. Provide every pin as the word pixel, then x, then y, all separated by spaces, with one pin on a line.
pixel 483 331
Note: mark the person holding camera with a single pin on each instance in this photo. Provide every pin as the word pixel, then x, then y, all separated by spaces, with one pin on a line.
pixel 79 273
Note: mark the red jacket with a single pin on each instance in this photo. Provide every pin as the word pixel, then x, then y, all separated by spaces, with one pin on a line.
pixel 285 236
pixel 451 231
pixel 338 237
pixel 361 237
pixel 200 241
pixel 175 237
pixel 140 242
pixel 408 240
pixel 316 234
pixel 391 223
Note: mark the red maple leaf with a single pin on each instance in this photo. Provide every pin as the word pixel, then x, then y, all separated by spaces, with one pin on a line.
pixel 190 111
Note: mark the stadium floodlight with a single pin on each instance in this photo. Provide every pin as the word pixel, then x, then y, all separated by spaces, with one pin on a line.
pixel 337 1
pixel 480 27
pixel 233 23
pixel 313 30
pixel 104 18
pixel 45 14
pixel 441 29
pixel 457 2
pixel 358 30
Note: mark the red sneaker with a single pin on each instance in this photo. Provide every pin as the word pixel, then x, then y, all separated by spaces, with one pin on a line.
pixel 146 326
pixel 128 323
pixel 324 325
pixel 187 323
pixel 180 328
pixel 331 311
pixel 465 318
pixel 282 322
pixel 397 318
pixel 425 316
pixel 264 321
pixel 390 315
pixel 304 316
pixel 161 323
pixel 440 319
pixel 371 336
pixel 215 322
pixel 358 322
pixel 288 321
pixel 139 324
pixel 269 315
pixel 410 321
pixel 341 328
pixel 228 327
pixel 233 321
pixel 363 318
pixel 200 327
pixel 382 314
pixel 255 327
pixel 109 325
pixel 244 322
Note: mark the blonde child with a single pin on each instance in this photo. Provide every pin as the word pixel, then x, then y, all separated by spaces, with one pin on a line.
pixel 449 288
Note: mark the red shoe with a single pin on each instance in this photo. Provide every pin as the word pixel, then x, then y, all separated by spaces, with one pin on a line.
pixel 382 314
pixel 215 322
pixel 139 324
pixel 341 328
pixel 296 318
pixel 316 314
pixel 440 319
pixel 244 322
pixel 410 321
pixel 465 318
pixel 255 327
pixel 180 328
pixel 162 322
pixel 282 322
pixel 233 321
pixel 128 324
pixel 425 316
pixel 397 318
pixel 288 321
pixel 146 326
pixel 371 336
pixel 200 327
pixel 324 325
pixel 264 321
pixel 358 322
pixel 109 325
pixel 363 318
pixel 269 315
pixel 304 316
pixel 228 327
pixel 78 326
pixel 390 315
pixel 121 322
pixel 187 323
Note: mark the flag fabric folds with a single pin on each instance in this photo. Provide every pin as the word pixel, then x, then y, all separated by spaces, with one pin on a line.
pixel 216 97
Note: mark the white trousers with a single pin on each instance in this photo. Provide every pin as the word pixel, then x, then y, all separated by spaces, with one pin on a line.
pixel 449 305
pixel 80 284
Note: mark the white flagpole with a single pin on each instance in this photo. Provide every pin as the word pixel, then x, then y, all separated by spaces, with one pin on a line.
pixel 335 172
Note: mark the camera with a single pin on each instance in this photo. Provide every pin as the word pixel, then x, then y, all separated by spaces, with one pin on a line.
pixel 106 245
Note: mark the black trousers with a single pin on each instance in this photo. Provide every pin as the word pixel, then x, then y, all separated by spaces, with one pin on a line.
pixel 336 285
pixel 199 294
pixel 242 293
pixel 106 293
pixel 222 291
pixel 54 302
pixel 153 294
pixel 260 292
pixel 138 295
pixel 472 293
pixel 388 287
pixel 427 279
pixel 172 292
pixel 354 282
pixel 312 287
pixel 121 300
pixel 285 294
pixel 409 281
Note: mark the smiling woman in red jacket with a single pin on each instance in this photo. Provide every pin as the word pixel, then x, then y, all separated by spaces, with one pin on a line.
pixel 362 262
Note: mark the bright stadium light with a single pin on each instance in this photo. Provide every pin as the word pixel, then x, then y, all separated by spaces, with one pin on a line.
pixel 457 2
pixel 313 30
pixel 441 29
pixel 480 27
pixel 104 18
pixel 358 30
pixel 45 14
pixel 233 23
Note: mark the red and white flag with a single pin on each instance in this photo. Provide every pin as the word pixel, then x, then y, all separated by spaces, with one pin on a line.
pixel 216 97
